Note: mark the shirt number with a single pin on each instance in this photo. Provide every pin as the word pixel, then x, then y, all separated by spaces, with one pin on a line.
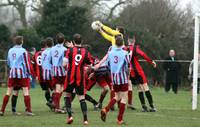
pixel 39 60
pixel 56 53
pixel 115 59
pixel 78 58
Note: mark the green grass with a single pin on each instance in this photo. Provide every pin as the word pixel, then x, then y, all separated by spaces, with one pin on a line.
pixel 173 111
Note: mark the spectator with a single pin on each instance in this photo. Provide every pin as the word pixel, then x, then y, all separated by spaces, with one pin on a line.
pixel 172 68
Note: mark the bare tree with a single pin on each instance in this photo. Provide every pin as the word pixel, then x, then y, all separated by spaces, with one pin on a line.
pixel 20 6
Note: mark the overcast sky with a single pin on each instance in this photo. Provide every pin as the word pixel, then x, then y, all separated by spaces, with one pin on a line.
pixel 194 3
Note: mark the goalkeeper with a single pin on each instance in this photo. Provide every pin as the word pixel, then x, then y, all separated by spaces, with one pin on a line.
pixel 108 33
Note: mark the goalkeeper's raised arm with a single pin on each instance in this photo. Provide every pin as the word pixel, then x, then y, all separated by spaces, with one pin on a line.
pixel 107 32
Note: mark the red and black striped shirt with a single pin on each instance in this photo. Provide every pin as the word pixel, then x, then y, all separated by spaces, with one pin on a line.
pixel 77 57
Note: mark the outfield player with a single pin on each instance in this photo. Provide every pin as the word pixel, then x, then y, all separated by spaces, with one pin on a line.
pixel 20 70
pixel 118 61
pixel 59 73
pixel 103 78
pixel 75 60
pixel 137 75
pixel 46 70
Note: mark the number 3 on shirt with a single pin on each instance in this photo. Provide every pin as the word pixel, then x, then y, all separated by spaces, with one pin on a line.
pixel 78 58
pixel 115 59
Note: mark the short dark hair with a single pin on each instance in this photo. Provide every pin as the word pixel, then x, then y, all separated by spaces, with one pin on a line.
pixel 43 43
pixel 121 29
pixel 60 38
pixel 18 40
pixel 119 41
pixel 77 38
pixel 49 41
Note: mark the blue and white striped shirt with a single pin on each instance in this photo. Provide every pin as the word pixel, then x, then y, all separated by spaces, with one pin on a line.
pixel 57 55
pixel 18 62
pixel 118 61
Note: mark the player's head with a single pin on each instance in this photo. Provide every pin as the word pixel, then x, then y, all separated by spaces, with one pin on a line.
pixel 18 40
pixel 119 41
pixel 60 38
pixel 172 53
pixel 120 29
pixel 43 43
pixel 77 39
pixel 49 42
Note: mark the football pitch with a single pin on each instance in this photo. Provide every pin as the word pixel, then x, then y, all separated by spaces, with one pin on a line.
pixel 173 111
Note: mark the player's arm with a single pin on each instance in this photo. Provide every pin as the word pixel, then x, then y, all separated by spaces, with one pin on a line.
pixel 65 58
pixel 105 35
pixel 101 62
pixel 110 30
pixel 144 55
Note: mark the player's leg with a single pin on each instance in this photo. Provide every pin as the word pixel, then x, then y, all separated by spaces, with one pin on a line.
pixel 57 96
pixel 105 90
pixel 130 96
pixel 5 100
pixel 141 98
pixel 92 100
pixel 122 107
pixel 81 96
pixel 112 95
pixel 14 101
pixel 68 105
pixel 149 97
pixel 27 101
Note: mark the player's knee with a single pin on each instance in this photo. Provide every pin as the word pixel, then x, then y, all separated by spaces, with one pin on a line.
pixel 146 87
pixel 25 91
pixel 9 91
pixel 81 97
pixel 130 87
pixel 123 100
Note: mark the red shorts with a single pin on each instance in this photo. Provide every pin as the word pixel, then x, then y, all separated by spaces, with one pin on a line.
pixel 104 80
pixel 58 80
pixel 18 83
pixel 120 88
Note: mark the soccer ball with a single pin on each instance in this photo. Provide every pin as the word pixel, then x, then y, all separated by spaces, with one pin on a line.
pixel 95 25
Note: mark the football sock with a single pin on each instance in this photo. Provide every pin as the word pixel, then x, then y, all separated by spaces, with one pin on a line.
pixel 112 94
pixel 27 102
pixel 5 102
pixel 130 97
pixel 121 111
pixel 90 99
pixel 149 98
pixel 84 109
pixel 141 97
pixel 14 102
pixel 56 100
pixel 110 104
pixel 103 94
pixel 47 95
pixel 73 95
pixel 68 106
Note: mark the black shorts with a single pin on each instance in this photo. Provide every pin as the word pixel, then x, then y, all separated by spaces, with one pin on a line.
pixel 79 89
pixel 45 85
pixel 17 88
pixel 136 80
